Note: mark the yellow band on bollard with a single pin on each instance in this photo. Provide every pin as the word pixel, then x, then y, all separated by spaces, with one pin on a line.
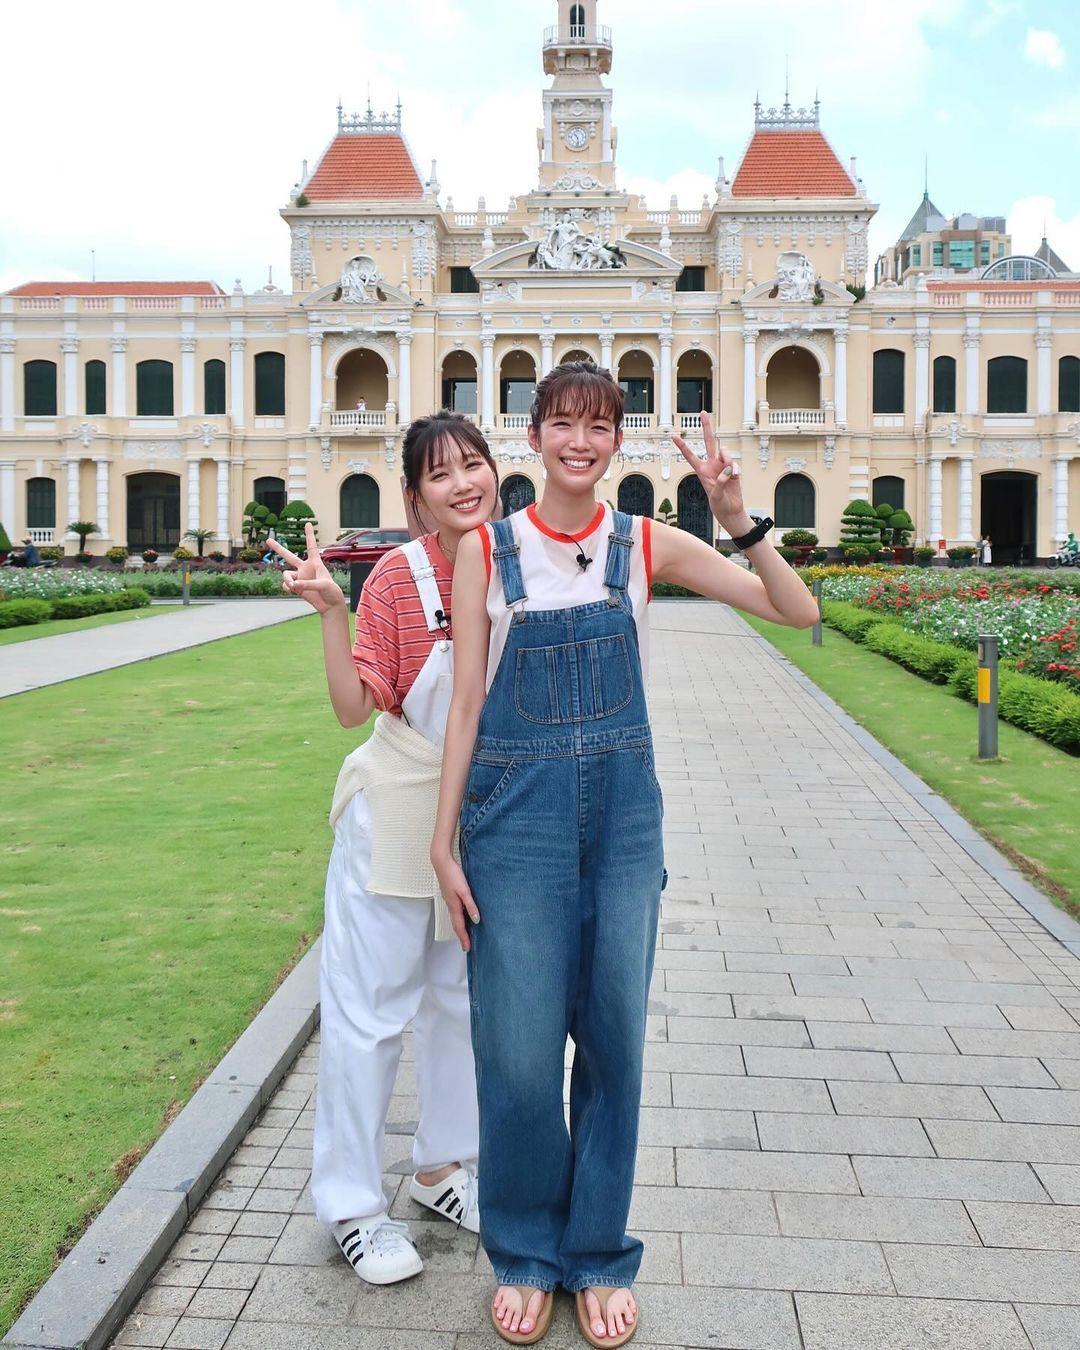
pixel 984 685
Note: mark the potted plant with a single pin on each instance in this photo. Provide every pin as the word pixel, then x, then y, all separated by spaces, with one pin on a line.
pixel 200 537
pixel 149 556
pixel 788 553
pixel 856 553
pixel 885 555
pixel 249 555
pixel 961 554
pixel 83 528
pixel 182 555
pixel 924 555
pixel 819 554
pixel 217 556
pixel 902 527
pixel 117 555
pixel 802 541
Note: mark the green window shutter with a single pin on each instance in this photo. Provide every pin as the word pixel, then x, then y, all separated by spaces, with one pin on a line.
pixel 40 504
pixel 1069 384
pixel 1006 384
pixel 95 388
pixel 888 381
pixel 269 384
pixel 154 389
pixel 39 389
pixel 462 281
pixel 214 387
pixel 793 504
pixel 944 384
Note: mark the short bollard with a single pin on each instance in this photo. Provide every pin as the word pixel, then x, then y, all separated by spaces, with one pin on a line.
pixel 186 584
pixel 816 588
pixel 988 696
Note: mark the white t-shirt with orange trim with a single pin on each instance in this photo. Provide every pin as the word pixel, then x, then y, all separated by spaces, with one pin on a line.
pixel 554 580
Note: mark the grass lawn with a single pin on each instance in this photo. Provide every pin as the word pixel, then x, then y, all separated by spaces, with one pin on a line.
pixel 53 626
pixel 164 844
pixel 1028 804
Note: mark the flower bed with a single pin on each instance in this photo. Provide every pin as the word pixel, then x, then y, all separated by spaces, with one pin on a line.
pixel 54 583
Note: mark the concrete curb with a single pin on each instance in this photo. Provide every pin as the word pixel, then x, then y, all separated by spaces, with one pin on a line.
pixel 1041 908
pixel 85 1302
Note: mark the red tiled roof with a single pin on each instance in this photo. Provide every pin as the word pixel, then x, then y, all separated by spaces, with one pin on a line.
pixel 791 164
pixel 117 288
pixel 370 165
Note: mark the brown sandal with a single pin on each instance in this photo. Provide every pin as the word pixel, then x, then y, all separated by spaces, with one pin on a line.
pixel 603 1293
pixel 543 1319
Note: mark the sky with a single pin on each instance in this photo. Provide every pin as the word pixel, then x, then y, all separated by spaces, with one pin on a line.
pixel 166 139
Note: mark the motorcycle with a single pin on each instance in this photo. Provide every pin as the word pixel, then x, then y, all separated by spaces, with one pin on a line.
pixel 1064 557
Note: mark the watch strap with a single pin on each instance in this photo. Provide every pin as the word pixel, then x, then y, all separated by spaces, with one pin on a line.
pixel 754 536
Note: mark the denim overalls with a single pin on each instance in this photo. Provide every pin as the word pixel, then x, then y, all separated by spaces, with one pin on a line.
pixel 561 843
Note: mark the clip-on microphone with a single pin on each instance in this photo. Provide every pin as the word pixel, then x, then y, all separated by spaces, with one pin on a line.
pixel 582 561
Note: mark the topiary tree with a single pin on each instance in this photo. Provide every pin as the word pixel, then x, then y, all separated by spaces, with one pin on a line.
pixel 5 542
pixel 860 529
pixel 257 524
pixel 883 513
pixel 83 528
pixel 290 526
pixel 666 514
pixel 903 527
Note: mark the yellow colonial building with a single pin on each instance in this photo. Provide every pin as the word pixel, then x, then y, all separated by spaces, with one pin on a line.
pixel 153 408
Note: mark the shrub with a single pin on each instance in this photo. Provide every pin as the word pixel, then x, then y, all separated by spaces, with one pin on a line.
pixel 788 554
pixel 1047 710
pixel 216 556
pixel 924 553
pixel 258 522
pixel 847 619
pixel 961 553
pixel 799 538
pixel 902 527
pixel 819 554
pixel 5 542
pixel 665 513
pixel 82 606
pixel 182 554
pixel 116 554
pixel 860 528
pixel 290 527
pixel 249 555
pixel 17 613
pixel 51 552
pixel 934 661
pixel 668 588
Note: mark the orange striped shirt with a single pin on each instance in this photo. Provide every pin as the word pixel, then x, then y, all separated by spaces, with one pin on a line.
pixel 392 637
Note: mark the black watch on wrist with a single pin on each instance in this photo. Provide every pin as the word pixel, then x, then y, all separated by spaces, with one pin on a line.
pixel 754 536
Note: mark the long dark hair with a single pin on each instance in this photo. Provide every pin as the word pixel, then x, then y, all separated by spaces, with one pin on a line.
pixel 429 439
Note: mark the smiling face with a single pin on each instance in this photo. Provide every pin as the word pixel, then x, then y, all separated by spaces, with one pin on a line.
pixel 457 487
pixel 576 448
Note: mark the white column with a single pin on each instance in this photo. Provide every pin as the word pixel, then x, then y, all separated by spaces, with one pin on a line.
pixel 223 498
pixel 935 499
pixel 665 379
pixel 749 377
pixel 1061 498
pixel 194 506
pixel 964 503
pixel 7 384
pixel 101 513
pixel 187 377
pixel 73 500
pixel 547 353
pixel 922 378
pixel 119 377
pixel 1043 341
pixel 404 399
pixel 487 381
pixel 840 378
pixel 315 342
pixel 971 373
pixel 607 342
pixel 236 382
pixel 7 495
pixel 70 347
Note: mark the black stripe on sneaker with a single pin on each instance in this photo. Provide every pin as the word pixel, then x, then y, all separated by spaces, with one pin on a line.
pixel 445 1196
pixel 353 1247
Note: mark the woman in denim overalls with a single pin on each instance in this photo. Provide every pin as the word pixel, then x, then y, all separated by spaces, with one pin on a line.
pixel 548 768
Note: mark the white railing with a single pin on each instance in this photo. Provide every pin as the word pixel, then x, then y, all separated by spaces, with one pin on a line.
pixel 657 217
pixel 357 419
pixel 690 217
pixel 1007 299
pixel 153 301
pixel 39 302
pixel 513 421
pixel 97 302
pixel 948 299
pixel 638 422
pixel 40 536
pixel 578 32
pixel 795 417
pixel 498 217
pixel 690 421
pixel 465 218
pixel 212 302
pixel 1067 297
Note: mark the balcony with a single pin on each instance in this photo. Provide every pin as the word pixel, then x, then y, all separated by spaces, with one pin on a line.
pixel 637 421
pixel 513 421
pixel 794 419
pixel 357 421
pixel 690 422
pixel 577 35
pixel 41 536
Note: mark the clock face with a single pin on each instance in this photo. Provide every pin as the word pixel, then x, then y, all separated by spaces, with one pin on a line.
pixel 577 138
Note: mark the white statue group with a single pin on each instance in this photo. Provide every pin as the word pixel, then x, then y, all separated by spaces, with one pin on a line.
pixel 568 248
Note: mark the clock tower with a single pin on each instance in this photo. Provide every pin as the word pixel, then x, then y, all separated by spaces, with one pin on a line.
pixel 577 140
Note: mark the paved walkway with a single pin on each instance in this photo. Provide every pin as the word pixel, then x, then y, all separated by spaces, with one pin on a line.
pixel 66 656
pixel 861 1123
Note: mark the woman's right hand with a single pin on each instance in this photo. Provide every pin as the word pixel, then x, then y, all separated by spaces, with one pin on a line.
pixel 456 896
pixel 309 577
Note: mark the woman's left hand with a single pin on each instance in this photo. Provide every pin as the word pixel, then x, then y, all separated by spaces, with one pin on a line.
pixel 720 477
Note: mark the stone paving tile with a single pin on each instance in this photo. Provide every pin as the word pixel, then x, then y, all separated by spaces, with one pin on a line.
pixel 817 1034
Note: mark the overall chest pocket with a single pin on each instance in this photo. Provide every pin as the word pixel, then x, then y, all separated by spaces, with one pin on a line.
pixel 575 681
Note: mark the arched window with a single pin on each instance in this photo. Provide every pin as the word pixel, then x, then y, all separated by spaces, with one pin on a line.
pixel 270 492
pixel 793 504
pixel 889 489
pixel 214 387
pixel 577 21
pixel 269 384
pixel 695 517
pixel 1006 384
pixel 154 390
pixel 516 493
pixel 40 504
pixel 944 384
pixel 39 389
pixel 1069 384
pixel 95 388
pixel 359 502
pixel 888 381
pixel 636 496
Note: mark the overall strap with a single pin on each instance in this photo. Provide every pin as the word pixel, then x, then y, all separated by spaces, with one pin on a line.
pixel 507 556
pixel 620 542
pixel 423 574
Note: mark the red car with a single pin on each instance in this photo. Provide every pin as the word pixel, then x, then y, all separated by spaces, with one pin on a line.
pixel 363 546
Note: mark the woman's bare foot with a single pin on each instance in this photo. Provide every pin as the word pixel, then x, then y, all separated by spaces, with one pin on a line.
pixel 621 1312
pixel 507 1310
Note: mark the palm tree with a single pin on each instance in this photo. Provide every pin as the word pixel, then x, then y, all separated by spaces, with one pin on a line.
pixel 83 528
pixel 200 537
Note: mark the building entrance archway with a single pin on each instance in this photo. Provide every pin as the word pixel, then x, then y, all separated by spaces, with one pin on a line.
pixel 153 512
pixel 694 514
pixel 1010 514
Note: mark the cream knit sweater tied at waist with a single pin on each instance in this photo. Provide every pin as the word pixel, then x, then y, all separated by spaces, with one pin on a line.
pixel 398 771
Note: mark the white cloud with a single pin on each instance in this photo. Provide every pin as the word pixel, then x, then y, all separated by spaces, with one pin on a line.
pixel 1043 48
pixel 1027 219
pixel 1065 113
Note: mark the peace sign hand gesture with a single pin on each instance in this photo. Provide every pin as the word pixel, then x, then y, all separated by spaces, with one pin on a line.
pixel 309 578
pixel 719 476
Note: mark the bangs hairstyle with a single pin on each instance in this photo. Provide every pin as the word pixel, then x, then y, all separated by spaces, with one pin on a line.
pixel 430 440
pixel 577 389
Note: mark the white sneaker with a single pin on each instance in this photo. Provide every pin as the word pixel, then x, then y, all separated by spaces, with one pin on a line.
pixel 378 1249
pixel 455 1198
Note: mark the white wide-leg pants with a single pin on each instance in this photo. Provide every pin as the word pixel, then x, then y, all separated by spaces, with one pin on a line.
pixel 381 969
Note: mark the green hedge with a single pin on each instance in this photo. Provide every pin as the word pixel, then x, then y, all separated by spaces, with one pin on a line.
pixel 16 613
pixel 1041 707
pixel 669 588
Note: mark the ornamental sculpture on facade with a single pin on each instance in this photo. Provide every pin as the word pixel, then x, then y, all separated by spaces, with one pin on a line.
pixel 795 276
pixel 568 247
pixel 358 278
